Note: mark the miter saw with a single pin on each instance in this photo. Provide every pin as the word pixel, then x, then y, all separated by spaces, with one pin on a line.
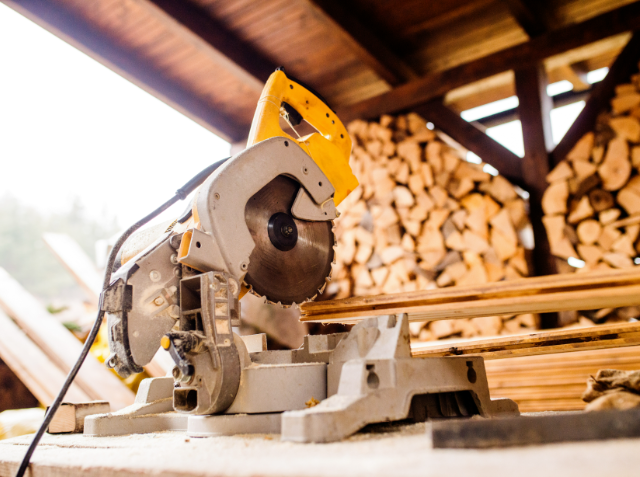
pixel 262 223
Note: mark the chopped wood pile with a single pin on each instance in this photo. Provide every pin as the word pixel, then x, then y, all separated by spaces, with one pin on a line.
pixel 423 217
pixel 592 203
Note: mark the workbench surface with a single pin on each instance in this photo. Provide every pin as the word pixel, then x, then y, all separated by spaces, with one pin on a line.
pixel 404 451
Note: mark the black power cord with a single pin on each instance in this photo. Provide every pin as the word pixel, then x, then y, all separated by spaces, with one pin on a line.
pixel 180 194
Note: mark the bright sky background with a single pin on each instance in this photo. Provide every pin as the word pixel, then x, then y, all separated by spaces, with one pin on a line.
pixel 70 127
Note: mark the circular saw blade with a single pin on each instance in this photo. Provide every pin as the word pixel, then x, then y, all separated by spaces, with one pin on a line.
pixel 281 273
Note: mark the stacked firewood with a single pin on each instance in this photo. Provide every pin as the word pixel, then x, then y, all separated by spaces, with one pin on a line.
pixel 423 217
pixel 592 204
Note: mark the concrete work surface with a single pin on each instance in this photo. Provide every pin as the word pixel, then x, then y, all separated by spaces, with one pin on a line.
pixel 389 451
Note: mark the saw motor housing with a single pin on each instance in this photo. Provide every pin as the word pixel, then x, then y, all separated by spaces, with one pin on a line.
pixel 182 291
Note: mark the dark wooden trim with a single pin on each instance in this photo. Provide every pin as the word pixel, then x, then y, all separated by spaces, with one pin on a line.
pixel 437 84
pixel 472 138
pixel 65 24
pixel 534 110
pixel 622 68
pixel 528 15
pixel 199 21
pixel 365 43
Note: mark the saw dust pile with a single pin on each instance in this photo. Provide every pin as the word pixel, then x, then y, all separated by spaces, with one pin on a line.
pixel 592 204
pixel 423 218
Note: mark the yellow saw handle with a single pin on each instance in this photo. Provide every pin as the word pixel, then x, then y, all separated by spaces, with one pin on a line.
pixel 330 147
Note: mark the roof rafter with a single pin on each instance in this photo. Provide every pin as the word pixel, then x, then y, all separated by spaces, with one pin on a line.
pixel 436 84
pixel 529 16
pixel 365 43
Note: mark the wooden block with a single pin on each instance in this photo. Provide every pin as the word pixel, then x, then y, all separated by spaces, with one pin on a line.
pixel 477 223
pixel 624 245
pixel 597 154
pixel 589 231
pixel 474 242
pixel 500 189
pixel 582 210
pixel 616 167
pixel 505 247
pixel 626 127
pixel 608 216
pixel 629 199
pixel 458 218
pixel 608 236
pixel 70 416
pixel 554 200
pixel 434 158
pixel 635 157
pixel 502 223
pixel 517 212
pixel 621 104
pixel 439 195
pixel 437 217
pixel 416 183
pixel 391 254
pixel 591 254
pixel 584 169
pixel 427 174
pixel 403 197
pixel 491 207
pixel 617 260
pixel 561 172
pixel 465 186
pixel 582 150
pixel 408 243
pixel 471 171
pixel 600 200
pixel 455 242
pixel 476 275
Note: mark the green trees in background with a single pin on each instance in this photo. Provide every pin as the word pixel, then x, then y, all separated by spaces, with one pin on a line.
pixel 25 256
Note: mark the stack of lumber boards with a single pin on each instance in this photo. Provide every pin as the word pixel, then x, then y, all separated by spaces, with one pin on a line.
pixel 547 371
pixel 554 382
pixel 592 203
pixel 425 218
pixel 41 351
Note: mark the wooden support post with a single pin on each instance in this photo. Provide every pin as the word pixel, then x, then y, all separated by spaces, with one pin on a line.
pixel 473 139
pixel 534 109
pixel 621 70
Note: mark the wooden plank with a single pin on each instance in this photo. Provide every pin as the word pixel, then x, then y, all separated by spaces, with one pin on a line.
pixel 620 71
pixel 64 23
pixel 529 430
pixel 77 263
pixel 534 110
pixel 34 368
pixel 580 291
pixel 70 416
pixel 361 40
pixel 434 85
pixel 557 341
pixel 472 138
pixel 62 348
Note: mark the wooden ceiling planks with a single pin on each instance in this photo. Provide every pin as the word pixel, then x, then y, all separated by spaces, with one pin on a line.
pixel 314 41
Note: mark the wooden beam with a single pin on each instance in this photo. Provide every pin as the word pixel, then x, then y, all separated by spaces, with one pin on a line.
pixel 70 27
pixel 534 110
pixel 620 71
pixel 235 53
pixel 472 138
pixel 558 341
pixel 361 40
pixel 77 263
pixel 529 16
pixel 436 84
pixel 34 368
pixel 62 348
pixel 574 291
